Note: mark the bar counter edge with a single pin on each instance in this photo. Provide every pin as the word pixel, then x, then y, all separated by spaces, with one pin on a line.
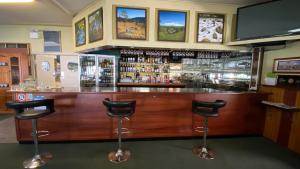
pixel 160 113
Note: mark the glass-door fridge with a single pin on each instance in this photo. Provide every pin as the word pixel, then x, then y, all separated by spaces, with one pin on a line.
pixel 88 70
pixel 106 71
pixel 97 70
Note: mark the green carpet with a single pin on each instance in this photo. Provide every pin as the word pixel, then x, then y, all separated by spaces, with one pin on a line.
pixel 232 153
pixel 5 116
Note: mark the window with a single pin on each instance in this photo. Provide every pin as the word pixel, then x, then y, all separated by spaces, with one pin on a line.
pixel 52 41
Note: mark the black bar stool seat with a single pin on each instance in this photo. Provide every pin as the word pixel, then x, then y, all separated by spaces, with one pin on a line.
pixel 32 114
pixel 120 110
pixel 29 111
pixel 206 110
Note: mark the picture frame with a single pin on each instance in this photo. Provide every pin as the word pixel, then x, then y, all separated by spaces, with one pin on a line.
pixel 95 25
pixel 210 28
pixel 286 65
pixel 131 23
pixel 80 32
pixel 172 25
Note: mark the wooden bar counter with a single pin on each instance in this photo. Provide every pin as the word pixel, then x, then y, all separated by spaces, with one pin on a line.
pixel 160 112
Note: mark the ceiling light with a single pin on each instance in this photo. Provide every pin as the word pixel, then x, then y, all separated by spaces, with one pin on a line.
pixel 15 1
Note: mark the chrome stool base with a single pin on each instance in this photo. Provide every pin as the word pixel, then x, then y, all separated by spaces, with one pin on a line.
pixel 37 160
pixel 204 153
pixel 119 156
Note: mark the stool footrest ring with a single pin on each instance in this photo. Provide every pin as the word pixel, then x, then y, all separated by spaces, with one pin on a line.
pixel 123 130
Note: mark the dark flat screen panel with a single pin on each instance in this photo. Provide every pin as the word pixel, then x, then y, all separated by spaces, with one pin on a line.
pixel 268 19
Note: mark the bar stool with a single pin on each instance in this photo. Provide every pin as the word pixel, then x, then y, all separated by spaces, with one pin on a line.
pixel 206 110
pixel 32 110
pixel 120 110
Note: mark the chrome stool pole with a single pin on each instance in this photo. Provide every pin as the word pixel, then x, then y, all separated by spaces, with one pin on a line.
pixel 203 151
pixel 38 159
pixel 120 110
pixel 206 109
pixel 26 111
pixel 120 155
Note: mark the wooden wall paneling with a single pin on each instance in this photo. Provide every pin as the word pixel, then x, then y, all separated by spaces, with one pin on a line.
pixel 289 98
pixel 82 116
pixel 273 116
pixel 238 117
pixel 159 115
pixel 294 139
pixel 77 117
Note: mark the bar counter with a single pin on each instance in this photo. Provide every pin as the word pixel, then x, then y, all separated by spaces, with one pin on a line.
pixel 160 112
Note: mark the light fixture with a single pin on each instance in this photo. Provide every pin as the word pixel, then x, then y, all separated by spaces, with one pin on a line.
pixel 15 1
pixel 294 30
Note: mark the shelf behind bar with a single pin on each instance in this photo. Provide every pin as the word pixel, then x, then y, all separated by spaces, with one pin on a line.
pixel 150 85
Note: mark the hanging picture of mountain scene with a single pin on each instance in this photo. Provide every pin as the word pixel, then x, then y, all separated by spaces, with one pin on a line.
pixel 80 35
pixel 131 23
pixel 95 21
pixel 171 26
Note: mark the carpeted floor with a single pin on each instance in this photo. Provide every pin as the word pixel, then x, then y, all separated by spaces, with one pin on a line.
pixel 7 129
pixel 5 116
pixel 232 153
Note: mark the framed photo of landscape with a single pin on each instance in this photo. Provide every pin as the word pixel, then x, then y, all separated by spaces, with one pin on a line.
pixel 80 32
pixel 131 23
pixel 171 26
pixel 287 65
pixel 210 28
pixel 95 25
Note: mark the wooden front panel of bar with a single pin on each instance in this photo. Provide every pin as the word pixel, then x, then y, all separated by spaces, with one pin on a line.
pixel 82 116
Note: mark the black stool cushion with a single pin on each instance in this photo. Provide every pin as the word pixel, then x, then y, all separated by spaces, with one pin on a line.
pixel 207 109
pixel 32 114
pixel 25 110
pixel 119 108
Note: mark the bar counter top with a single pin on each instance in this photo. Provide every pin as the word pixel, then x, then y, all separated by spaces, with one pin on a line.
pixel 129 90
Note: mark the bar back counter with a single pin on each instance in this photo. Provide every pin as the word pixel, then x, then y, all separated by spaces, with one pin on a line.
pixel 160 113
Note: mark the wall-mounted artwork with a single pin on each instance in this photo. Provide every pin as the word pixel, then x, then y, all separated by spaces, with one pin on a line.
pixel 95 23
pixel 171 26
pixel 287 65
pixel 72 66
pixel 131 23
pixel 45 66
pixel 80 33
pixel 210 28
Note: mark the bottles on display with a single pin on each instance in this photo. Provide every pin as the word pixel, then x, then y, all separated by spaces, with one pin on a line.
pixel 106 72
pixel 187 67
pixel 149 66
pixel 97 70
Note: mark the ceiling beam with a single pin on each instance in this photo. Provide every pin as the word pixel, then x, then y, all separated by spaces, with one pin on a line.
pixel 58 4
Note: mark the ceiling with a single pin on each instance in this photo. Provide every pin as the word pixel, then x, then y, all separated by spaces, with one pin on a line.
pixel 48 12
pixel 237 2
pixel 60 12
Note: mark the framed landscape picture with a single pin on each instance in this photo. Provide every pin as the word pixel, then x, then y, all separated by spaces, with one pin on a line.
pixel 131 23
pixel 80 32
pixel 210 28
pixel 287 65
pixel 171 26
pixel 95 25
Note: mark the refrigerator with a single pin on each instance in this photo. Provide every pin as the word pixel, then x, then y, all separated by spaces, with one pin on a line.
pixel 97 70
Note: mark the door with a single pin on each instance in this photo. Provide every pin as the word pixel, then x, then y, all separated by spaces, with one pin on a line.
pixel 69 71
pixel 45 70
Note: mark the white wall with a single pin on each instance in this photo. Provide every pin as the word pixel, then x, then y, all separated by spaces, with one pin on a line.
pixel 291 50
pixel 20 34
